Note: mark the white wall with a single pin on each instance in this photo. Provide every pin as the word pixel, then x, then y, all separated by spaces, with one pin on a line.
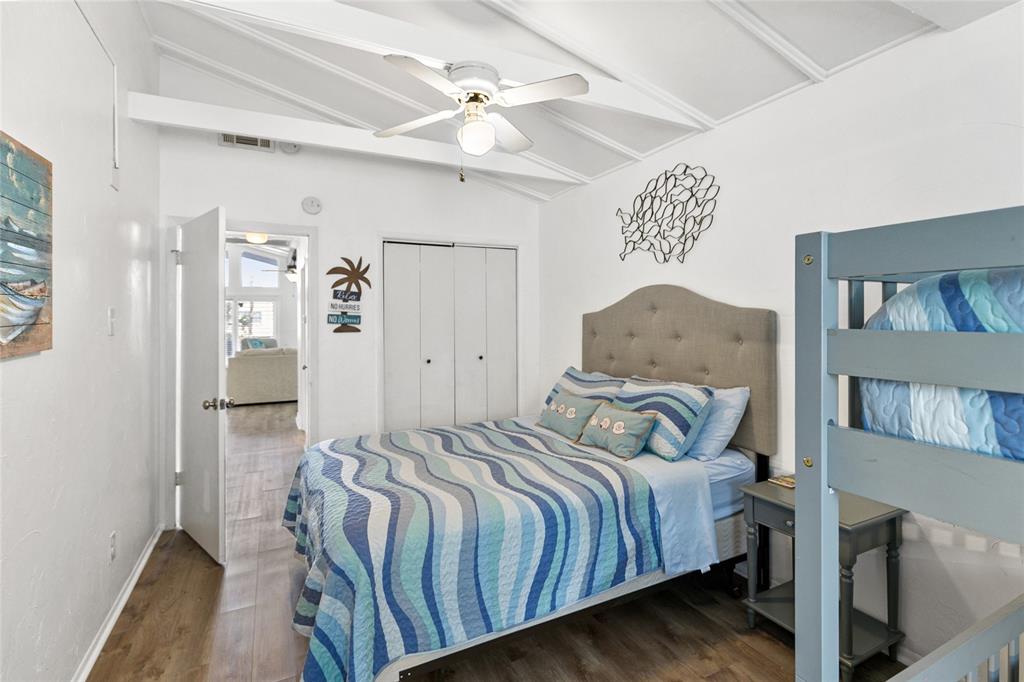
pixel 78 421
pixel 931 128
pixel 364 200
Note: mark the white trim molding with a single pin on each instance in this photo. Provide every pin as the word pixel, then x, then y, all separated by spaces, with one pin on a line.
pixel 93 652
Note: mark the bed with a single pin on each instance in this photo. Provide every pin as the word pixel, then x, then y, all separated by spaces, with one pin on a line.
pixel 935 381
pixel 420 544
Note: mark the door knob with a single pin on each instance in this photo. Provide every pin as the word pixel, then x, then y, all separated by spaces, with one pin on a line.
pixel 210 404
pixel 428 361
pixel 479 357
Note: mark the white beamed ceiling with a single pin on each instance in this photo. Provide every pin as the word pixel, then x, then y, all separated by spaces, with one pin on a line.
pixel 695 63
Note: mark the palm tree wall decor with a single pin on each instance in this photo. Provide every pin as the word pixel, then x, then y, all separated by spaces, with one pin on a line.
pixel 352 276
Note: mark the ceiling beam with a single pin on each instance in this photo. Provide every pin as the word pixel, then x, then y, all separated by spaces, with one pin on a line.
pixel 286 48
pixel 952 15
pixel 179 113
pixel 364 30
pixel 591 134
pixel 757 27
pixel 518 13
pixel 210 66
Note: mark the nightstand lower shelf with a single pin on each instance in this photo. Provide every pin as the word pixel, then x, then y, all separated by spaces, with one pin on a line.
pixel 870 635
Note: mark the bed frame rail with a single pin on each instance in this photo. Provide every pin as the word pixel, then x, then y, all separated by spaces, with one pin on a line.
pixel 992 644
pixel 961 487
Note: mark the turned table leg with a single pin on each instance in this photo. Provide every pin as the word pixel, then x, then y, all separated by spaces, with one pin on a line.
pixel 751 570
pixel 846 608
pixel 892 583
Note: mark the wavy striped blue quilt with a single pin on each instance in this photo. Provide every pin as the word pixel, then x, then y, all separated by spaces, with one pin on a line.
pixel 986 422
pixel 423 539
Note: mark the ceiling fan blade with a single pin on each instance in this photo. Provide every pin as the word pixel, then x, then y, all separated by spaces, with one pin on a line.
pixel 509 137
pixel 420 70
pixel 541 91
pixel 418 123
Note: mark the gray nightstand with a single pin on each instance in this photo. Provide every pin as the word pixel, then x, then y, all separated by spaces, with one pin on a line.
pixel 863 525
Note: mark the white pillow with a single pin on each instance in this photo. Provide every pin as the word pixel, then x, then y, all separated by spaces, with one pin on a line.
pixel 727 408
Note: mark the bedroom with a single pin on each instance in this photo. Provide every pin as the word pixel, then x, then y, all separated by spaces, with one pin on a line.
pixel 808 116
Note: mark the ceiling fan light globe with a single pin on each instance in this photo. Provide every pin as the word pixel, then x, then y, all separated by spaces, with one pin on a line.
pixel 476 137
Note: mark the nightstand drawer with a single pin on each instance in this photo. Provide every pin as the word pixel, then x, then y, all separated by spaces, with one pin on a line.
pixel 775 517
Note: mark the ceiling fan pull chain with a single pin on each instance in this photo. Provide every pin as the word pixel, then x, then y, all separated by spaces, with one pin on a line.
pixel 462 172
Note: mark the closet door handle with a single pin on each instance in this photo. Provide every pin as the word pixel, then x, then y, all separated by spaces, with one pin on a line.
pixel 428 361
pixel 479 357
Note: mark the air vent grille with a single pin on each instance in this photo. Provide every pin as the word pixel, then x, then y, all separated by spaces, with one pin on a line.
pixel 246 142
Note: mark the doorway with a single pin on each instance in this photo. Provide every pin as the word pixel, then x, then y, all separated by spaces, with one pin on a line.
pixel 243 347
pixel 265 319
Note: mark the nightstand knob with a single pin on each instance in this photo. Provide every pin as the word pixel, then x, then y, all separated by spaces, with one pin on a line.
pixel 808 462
pixel 790 524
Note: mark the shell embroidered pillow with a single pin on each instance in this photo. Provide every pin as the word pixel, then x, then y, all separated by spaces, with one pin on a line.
pixel 567 414
pixel 621 432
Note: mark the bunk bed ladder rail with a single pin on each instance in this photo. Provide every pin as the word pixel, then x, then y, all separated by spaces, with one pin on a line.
pixel 981 493
pixel 991 645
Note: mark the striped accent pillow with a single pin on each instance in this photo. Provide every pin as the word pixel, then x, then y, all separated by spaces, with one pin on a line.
pixel 593 385
pixel 681 410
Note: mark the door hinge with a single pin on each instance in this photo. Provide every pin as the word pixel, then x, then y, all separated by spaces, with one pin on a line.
pixel 178 476
pixel 177 256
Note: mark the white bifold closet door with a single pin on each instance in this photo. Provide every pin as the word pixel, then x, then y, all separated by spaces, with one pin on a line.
pixel 449 335
pixel 437 337
pixel 401 336
pixel 502 384
pixel 471 354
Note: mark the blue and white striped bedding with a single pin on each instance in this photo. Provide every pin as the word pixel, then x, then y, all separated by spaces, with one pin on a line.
pixel 424 539
pixel 987 422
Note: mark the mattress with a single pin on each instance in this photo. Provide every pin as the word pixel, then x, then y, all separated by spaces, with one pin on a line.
pixel 727 475
pixel 971 301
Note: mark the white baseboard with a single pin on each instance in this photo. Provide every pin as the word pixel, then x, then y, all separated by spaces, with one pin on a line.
pixel 85 667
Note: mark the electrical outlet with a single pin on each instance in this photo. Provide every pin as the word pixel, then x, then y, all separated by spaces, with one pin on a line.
pixel 113 546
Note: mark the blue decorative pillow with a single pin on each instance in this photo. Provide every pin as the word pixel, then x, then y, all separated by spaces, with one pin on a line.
pixel 621 432
pixel 595 385
pixel 255 343
pixel 724 415
pixel 681 410
pixel 567 414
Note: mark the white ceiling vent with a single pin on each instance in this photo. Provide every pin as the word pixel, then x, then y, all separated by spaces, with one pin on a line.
pixel 246 142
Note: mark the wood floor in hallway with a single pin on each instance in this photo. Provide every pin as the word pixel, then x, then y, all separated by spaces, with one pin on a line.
pixel 192 619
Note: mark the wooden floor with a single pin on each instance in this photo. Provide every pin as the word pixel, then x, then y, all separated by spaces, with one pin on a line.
pixel 191 619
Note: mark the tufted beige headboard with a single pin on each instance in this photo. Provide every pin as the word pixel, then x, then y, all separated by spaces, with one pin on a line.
pixel 668 332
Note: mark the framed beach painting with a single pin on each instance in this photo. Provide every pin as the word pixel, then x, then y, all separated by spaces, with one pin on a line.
pixel 26 236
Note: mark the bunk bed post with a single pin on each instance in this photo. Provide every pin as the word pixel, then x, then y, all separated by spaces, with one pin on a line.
pixel 817 507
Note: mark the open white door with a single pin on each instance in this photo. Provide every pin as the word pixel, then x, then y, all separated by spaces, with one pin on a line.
pixel 203 379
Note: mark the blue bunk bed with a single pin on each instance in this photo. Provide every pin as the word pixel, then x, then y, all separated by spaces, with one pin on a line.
pixel 887 462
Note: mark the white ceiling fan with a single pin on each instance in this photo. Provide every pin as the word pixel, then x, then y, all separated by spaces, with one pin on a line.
pixel 474 87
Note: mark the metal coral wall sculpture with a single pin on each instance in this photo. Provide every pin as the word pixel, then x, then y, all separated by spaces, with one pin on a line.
pixel 674 209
